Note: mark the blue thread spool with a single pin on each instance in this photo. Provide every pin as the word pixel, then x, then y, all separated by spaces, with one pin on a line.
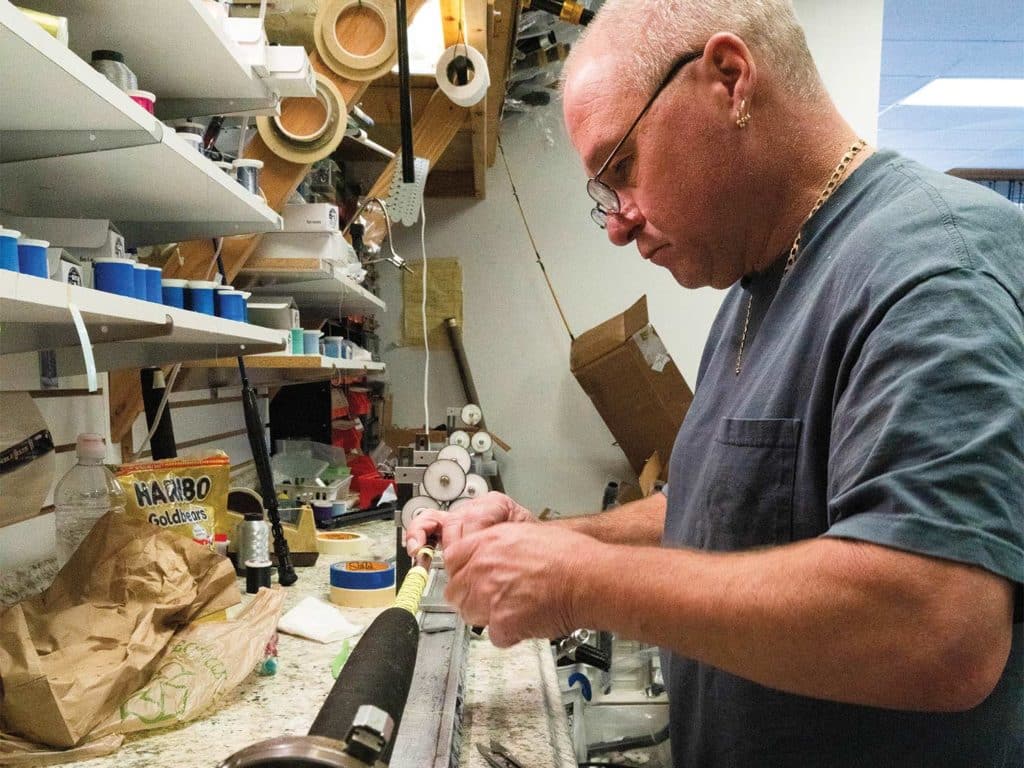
pixel 333 346
pixel 32 257
pixel 9 249
pixel 139 277
pixel 173 292
pixel 231 305
pixel 199 296
pixel 154 286
pixel 311 342
pixel 114 276
pixel 321 512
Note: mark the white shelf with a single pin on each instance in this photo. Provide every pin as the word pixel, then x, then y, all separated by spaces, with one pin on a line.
pixel 318 285
pixel 35 315
pixel 176 49
pixel 275 370
pixel 53 103
pixel 157 193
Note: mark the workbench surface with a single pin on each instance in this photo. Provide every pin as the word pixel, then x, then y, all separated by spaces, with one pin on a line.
pixel 510 695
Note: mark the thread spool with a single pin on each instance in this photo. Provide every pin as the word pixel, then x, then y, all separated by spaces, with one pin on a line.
pixel 173 292
pixel 145 99
pixel 253 537
pixel 462 75
pixel 111 65
pixel 32 257
pixel 9 249
pixel 247 172
pixel 257 574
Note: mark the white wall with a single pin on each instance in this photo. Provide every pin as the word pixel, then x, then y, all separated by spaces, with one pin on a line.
pixel 562 452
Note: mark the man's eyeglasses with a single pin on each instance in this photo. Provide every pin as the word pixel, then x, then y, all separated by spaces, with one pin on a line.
pixel 607 199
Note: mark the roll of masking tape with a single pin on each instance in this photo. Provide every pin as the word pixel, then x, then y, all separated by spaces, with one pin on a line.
pixel 362 584
pixel 363 598
pixel 346 63
pixel 306 146
pixel 462 75
pixel 351 546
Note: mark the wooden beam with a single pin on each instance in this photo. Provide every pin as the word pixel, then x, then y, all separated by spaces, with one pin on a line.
pixel 499 61
pixel 451 12
pixel 479 19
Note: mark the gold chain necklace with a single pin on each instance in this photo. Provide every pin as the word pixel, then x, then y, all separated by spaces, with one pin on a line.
pixel 826 193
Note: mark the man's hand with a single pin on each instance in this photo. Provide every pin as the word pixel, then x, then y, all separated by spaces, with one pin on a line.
pixel 490 509
pixel 521 581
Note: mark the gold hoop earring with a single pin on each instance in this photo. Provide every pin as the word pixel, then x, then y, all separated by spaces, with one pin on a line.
pixel 742 116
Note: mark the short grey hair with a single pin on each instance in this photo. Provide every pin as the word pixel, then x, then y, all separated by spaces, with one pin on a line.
pixel 656 32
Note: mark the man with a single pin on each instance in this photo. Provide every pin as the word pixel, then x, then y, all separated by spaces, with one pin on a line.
pixel 838 580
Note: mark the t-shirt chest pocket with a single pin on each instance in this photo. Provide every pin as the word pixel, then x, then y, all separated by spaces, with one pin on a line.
pixel 749 497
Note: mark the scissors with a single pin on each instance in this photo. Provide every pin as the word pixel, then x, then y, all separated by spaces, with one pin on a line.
pixel 497 756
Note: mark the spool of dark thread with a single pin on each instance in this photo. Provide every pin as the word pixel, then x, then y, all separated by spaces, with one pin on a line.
pixel 257 574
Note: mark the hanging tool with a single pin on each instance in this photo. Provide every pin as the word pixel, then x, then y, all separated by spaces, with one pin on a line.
pixel 286 575
pixel 405 195
pixel 357 724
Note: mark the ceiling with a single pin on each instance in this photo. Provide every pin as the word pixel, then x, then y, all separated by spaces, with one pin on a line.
pixel 925 39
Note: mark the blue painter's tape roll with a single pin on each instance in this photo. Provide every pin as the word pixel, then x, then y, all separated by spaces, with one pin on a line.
pixel 363 574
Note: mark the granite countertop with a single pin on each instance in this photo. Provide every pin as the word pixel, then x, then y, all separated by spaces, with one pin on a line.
pixel 511 695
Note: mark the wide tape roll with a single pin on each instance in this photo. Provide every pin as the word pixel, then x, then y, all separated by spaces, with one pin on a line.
pixel 351 65
pixel 307 148
pixel 472 92
pixel 350 545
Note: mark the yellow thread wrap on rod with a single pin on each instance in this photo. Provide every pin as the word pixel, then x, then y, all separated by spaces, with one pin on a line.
pixel 412 590
pixel 571 12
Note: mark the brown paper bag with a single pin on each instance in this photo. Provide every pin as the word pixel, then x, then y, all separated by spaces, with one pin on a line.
pixel 70 656
pixel 205 661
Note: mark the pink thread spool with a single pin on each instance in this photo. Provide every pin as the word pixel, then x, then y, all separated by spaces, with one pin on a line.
pixel 144 99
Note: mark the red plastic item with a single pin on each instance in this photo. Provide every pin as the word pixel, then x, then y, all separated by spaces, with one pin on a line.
pixel 358 403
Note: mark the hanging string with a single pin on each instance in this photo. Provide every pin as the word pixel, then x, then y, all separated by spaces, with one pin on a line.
pixel 536 252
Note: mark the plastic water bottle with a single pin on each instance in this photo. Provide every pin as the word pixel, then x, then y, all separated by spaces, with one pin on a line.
pixel 87 492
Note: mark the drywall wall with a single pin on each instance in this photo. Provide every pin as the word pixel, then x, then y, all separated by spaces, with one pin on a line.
pixel 517 346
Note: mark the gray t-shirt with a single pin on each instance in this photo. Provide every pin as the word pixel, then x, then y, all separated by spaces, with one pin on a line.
pixel 881 398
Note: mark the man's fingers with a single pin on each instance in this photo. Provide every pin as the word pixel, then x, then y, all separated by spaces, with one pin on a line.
pixel 423 527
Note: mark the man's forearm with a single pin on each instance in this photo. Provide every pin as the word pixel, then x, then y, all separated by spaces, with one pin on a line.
pixel 832 619
pixel 639 523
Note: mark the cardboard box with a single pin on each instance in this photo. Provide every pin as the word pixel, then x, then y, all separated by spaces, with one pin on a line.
pixel 306 245
pixel 310 217
pixel 68 269
pixel 628 374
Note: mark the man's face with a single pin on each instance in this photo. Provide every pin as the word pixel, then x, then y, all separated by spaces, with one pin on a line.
pixel 664 174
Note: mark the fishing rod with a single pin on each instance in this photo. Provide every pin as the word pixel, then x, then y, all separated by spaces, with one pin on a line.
pixel 358 722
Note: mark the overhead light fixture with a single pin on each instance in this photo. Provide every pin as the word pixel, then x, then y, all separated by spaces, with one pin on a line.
pixel 968 92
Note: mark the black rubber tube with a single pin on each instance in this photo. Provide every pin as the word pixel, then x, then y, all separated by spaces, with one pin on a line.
pixel 378 672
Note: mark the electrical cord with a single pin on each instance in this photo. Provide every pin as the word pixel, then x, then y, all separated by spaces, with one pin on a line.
pixel 423 311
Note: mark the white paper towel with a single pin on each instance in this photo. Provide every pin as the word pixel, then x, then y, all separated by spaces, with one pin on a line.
pixel 472 92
